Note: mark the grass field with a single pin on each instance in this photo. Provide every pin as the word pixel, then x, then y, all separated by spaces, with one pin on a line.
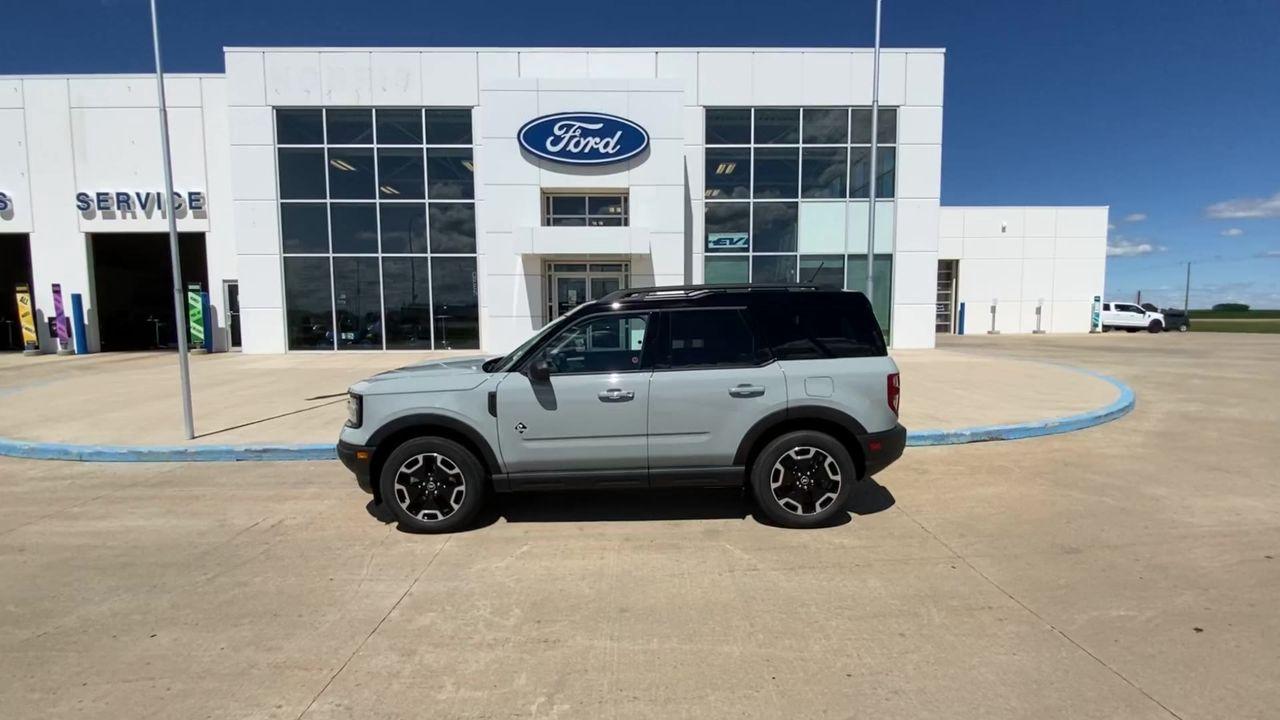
pixel 1260 325
pixel 1225 315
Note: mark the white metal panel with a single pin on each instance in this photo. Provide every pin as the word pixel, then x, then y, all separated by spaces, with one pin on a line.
pixel 1082 222
pixel 682 66
pixel 10 94
pixel 260 283
pixel 913 326
pixel 1081 247
pixel 776 78
pixel 725 78
pixel 924 78
pixel 492 67
pixel 917 225
pixel 345 78
pixel 599 177
pixel 14 180
pixel 659 113
pixel 137 91
pixel 553 64
pixel 293 78
pixel 220 248
pixel 1072 316
pixel 950 248
pixel 253 172
pixel 660 208
pixel 860 74
pixel 502 162
pixel 1040 222
pixel 695 171
pixel 622 64
pixel 502 112
pixel 992 248
pixel 827 79
pixel 919 125
pixel 251 125
pixel 512 294
pixel 507 207
pixel 1038 247
pixel 663 164
pixel 246 78
pixel 262 330
pixel 915 276
pixel 993 222
pixel 951 222
pixel 614 103
pixel 582 240
pixel 257 227
pixel 396 78
pixel 1037 280
pixel 694 126
pixel 452 78
pixel 667 251
pixel 1078 279
pixel 119 149
pixel 919 171
pixel 893 78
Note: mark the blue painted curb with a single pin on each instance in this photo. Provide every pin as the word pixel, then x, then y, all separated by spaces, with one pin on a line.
pixel 328 451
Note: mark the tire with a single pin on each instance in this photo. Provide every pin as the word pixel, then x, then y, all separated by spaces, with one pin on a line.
pixel 441 492
pixel 1183 327
pixel 794 487
pixel 1155 327
pixel 1106 328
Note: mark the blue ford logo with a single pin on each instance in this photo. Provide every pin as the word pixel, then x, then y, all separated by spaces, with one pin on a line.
pixel 581 138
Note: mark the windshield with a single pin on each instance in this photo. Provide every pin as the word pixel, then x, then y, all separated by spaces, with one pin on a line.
pixel 506 362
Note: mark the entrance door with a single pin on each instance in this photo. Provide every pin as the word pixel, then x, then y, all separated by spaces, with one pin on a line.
pixel 944 320
pixel 231 291
pixel 572 284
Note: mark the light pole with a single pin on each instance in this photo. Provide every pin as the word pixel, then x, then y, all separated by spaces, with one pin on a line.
pixel 871 190
pixel 184 372
pixel 1186 292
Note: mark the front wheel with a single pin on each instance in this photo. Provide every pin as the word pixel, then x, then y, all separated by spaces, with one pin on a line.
pixel 1155 327
pixel 803 479
pixel 433 485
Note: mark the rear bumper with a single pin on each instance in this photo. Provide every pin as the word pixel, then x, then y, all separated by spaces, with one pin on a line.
pixel 881 449
pixel 357 458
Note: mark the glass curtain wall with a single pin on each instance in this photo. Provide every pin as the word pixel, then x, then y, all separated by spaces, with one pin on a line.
pixel 787 197
pixel 378 228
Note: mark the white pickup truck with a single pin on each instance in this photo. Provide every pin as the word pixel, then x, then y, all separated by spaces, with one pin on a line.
pixel 1131 317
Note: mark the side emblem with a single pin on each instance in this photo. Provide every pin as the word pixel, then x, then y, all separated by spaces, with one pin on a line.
pixel 521 427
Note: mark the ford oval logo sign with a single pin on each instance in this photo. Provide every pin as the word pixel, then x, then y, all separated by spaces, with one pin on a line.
pixel 583 138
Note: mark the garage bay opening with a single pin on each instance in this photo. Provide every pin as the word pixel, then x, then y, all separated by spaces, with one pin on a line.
pixel 133 287
pixel 15 270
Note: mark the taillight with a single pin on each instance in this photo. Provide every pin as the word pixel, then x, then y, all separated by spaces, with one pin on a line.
pixel 893 391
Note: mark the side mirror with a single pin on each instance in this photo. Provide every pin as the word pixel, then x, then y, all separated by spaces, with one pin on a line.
pixel 540 369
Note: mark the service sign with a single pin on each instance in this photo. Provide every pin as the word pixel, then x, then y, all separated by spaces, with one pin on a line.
pixel 583 138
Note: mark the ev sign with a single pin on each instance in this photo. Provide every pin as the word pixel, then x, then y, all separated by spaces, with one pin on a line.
pixel 728 242
pixel 583 138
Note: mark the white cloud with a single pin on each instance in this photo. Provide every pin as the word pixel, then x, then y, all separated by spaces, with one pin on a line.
pixel 1245 208
pixel 1135 217
pixel 1120 246
pixel 1111 226
pixel 1269 254
pixel 1232 232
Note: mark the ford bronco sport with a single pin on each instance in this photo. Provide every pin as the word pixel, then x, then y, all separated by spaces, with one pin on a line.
pixel 787 389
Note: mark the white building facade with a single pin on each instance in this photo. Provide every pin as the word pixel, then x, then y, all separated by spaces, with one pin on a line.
pixel 386 199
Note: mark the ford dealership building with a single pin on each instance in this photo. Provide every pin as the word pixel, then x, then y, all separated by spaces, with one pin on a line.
pixel 390 199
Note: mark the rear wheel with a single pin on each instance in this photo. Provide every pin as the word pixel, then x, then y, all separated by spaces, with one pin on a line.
pixel 432 485
pixel 803 479
pixel 1182 327
pixel 1155 327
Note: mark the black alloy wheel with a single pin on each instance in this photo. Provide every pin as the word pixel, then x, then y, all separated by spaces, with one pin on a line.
pixel 432 485
pixel 803 479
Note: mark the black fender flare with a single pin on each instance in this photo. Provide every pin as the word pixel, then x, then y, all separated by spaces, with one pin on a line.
pixel 426 421
pixel 790 414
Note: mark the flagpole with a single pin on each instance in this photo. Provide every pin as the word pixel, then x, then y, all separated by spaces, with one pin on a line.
pixel 871 191
pixel 184 371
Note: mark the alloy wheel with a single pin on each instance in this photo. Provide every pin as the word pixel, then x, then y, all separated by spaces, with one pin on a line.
pixel 805 480
pixel 430 487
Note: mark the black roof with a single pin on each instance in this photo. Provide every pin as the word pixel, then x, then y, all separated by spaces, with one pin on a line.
pixel 673 296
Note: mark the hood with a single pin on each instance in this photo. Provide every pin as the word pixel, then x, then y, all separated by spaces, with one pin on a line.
pixel 443 374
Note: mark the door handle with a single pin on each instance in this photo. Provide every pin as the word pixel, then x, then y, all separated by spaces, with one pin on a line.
pixel 616 395
pixel 746 391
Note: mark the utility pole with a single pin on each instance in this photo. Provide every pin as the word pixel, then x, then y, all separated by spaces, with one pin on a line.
pixel 871 190
pixel 1186 292
pixel 179 306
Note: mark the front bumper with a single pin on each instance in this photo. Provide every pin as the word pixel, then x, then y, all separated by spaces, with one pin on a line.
pixel 357 458
pixel 881 449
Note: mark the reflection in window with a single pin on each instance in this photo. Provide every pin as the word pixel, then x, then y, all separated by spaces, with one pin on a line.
pixel 776 173
pixel 351 174
pixel 354 227
pixel 404 228
pixel 400 175
pixel 308 303
pixel 727 270
pixel 585 210
pixel 611 343
pixel 728 227
pixel 408 302
pixel 728 173
pixel 773 269
pixel 399 127
pixel 457 310
pixel 860 171
pixel 774 227
pixel 883 279
pixel 886 132
pixel 301 173
pixel 453 228
pixel 709 338
pixel 300 127
pixel 826 126
pixel 349 127
pixel 304 227
pixel 822 172
pixel 448 127
pixel 728 126
pixel 357 299
pixel 777 126
pixel 450 174
pixel 825 271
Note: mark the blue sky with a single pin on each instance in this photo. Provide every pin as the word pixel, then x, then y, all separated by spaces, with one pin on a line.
pixel 1166 110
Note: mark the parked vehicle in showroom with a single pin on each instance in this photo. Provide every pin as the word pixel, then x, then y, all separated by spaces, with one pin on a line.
pixel 1174 318
pixel 787 389
pixel 1131 317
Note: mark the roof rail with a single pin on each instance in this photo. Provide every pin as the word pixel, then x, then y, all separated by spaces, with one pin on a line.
pixel 699 289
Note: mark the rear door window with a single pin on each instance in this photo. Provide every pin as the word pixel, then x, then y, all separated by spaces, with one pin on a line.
pixel 709 338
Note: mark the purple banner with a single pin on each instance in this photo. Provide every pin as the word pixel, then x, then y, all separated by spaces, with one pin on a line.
pixel 61 323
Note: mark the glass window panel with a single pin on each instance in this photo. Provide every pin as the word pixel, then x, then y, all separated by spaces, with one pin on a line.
pixel 309 299
pixel 822 227
pixel 611 343
pixel 569 267
pixel 300 127
pixel 777 125
pixel 728 173
pixel 728 126
pixel 825 271
pixel 828 126
pixel 449 127
pixel 822 172
pixel 354 227
pixel 858 227
pixel 349 127
pixel 407 298
pixel 726 270
pixel 404 228
pixel 774 227
pixel 860 171
pixel 887 132
pixel 605 221
pixel 399 127
pixel 571 221
pixel 777 172
pixel 304 227
pixel 357 298
pixel 450 174
pixel 709 338
pixel 886 170
pixel 773 269
pixel 453 292
pixel 301 173
pixel 351 174
pixel 606 267
pixel 728 228
pixel 882 267
pixel 400 174
pixel 608 205
pixel 568 205
pixel 453 228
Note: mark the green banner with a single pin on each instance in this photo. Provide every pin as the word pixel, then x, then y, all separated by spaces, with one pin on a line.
pixel 195 316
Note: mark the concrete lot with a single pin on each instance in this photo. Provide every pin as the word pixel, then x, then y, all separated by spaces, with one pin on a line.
pixel 1126 571
pixel 131 398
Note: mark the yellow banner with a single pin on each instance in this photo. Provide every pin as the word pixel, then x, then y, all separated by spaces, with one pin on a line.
pixel 26 316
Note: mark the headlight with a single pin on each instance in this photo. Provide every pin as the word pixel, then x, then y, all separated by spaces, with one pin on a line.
pixel 355 410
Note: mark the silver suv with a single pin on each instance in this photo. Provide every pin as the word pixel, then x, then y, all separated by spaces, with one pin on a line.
pixel 788 389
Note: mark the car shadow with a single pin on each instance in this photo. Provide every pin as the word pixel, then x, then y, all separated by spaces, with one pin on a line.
pixel 867 498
